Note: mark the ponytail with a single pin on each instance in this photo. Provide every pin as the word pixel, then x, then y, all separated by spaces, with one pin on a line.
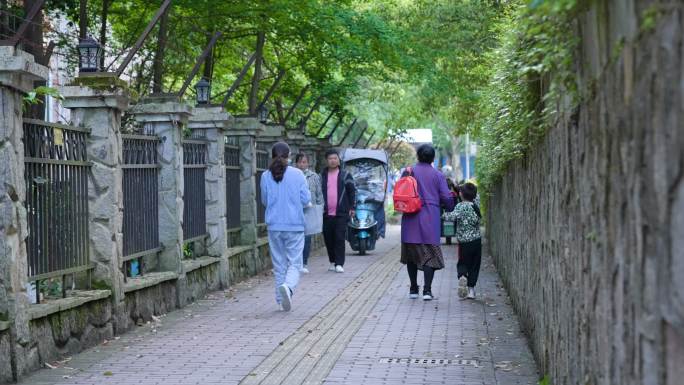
pixel 280 153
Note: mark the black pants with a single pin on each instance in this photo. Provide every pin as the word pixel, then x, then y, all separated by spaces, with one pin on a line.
pixel 469 260
pixel 334 234
pixel 428 274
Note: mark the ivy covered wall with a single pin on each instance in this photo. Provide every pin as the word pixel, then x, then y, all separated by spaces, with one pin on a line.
pixel 586 223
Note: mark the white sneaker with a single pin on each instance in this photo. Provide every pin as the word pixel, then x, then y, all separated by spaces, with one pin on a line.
pixel 339 269
pixel 304 270
pixel 462 288
pixel 286 297
pixel 332 267
pixel 471 293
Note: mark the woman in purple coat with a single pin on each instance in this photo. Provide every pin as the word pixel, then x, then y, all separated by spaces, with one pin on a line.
pixel 420 232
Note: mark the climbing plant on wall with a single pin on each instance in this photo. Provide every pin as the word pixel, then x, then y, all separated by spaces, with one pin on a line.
pixel 532 79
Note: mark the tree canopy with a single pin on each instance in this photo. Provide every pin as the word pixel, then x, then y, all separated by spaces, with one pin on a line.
pixel 489 68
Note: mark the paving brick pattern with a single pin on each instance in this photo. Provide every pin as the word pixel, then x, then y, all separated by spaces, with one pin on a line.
pixel 218 340
pixel 235 335
pixel 482 338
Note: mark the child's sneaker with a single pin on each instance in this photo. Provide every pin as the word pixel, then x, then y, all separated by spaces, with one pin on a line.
pixel 304 270
pixel 332 267
pixel 462 287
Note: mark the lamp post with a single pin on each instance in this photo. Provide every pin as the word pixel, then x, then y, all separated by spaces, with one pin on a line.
pixel 262 113
pixel 89 51
pixel 203 91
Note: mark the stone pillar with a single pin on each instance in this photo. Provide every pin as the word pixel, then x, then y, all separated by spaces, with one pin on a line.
pixel 213 120
pixel 270 134
pixel 99 108
pixel 295 139
pixel 166 117
pixel 18 71
pixel 309 146
pixel 246 129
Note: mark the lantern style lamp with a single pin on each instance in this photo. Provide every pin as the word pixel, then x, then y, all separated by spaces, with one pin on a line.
pixel 89 51
pixel 203 90
pixel 262 113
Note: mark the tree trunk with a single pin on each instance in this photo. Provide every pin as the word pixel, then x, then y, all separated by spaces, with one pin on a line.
pixel 280 111
pixel 254 93
pixel 83 19
pixel 209 60
pixel 103 28
pixel 4 20
pixel 158 64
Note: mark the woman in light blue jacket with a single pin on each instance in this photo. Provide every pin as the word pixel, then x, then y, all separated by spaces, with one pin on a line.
pixel 285 193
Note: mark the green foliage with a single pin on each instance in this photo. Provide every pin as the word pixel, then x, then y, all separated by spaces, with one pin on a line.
pixel 187 250
pixel 545 381
pixel 649 18
pixel 37 94
pixel 51 287
pixel 532 77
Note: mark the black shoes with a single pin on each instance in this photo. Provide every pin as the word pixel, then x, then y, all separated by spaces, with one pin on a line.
pixel 427 295
pixel 413 292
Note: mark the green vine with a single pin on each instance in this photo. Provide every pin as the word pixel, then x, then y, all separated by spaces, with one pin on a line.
pixel 532 80
pixel 35 96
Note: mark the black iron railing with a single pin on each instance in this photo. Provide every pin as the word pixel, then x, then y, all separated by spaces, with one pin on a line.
pixel 56 174
pixel 262 160
pixel 194 204
pixel 232 164
pixel 141 201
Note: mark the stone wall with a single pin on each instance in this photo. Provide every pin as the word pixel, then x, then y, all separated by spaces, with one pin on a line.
pixel 5 357
pixel 200 280
pixel 142 304
pixel 587 229
pixel 69 331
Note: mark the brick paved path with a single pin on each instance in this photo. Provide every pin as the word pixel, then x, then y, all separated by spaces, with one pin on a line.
pixel 349 328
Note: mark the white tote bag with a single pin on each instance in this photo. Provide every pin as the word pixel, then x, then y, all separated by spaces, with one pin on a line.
pixel 313 220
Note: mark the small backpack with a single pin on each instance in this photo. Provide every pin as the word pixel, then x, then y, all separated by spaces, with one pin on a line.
pixel 405 196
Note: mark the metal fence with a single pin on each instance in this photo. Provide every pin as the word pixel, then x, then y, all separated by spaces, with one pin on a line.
pixel 194 204
pixel 140 201
pixel 56 174
pixel 232 164
pixel 262 164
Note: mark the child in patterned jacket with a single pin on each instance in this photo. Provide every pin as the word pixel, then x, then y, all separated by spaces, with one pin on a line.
pixel 467 216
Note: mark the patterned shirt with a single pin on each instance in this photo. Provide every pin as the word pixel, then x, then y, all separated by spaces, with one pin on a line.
pixel 314 182
pixel 467 222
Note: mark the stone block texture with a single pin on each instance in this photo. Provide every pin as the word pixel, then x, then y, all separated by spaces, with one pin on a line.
pixel 156 300
pixel 199 282
pixel 5 357
pixel 65 333
pixel 586 229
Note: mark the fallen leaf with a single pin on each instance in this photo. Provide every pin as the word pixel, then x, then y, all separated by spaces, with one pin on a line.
pixel 108 373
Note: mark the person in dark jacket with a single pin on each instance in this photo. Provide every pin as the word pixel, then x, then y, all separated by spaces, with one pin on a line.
pixel 339 197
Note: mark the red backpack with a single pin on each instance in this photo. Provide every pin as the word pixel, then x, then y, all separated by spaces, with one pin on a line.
pixel 405 196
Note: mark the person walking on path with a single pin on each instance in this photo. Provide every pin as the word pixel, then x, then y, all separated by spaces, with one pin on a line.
pixel 467 215
pixel 314 182
pixel 420 232
pixel 285 193
pixel 339 195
